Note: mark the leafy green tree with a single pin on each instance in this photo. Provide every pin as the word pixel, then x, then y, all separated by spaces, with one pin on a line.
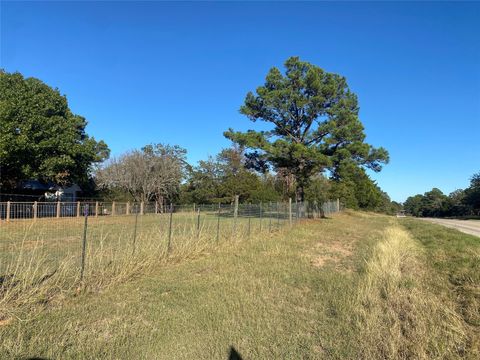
pixel 414 205
pixel 472 194
pixel 220 179
pixel 203 185
pixel 433 203
pixel 317 192
pixel 40 138
pixel 456 204
pixel 356 190
pixel 265 191
pixel 315 124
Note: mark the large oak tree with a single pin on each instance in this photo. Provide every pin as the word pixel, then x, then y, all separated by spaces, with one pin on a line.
pixel 315 125
pixel 40 138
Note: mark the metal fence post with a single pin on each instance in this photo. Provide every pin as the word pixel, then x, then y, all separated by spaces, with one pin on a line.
pixel 84 241
pixel 169 244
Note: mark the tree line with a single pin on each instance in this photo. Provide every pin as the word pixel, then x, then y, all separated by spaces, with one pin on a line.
pixel 434 203
pixel 315 148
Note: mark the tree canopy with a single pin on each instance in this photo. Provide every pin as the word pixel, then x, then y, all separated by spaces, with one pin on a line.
pixel 153 173
pixel 435 203
pixel 220 178
pixel 315 123
pixel 40 138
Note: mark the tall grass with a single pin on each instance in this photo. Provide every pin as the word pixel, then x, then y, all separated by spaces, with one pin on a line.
pixel 32 278
pixel 398 314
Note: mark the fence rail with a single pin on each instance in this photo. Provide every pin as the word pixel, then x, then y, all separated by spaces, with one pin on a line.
pixel 33 210
pixel 75 240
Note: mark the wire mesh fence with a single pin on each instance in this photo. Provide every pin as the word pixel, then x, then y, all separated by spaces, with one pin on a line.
pixel 75 240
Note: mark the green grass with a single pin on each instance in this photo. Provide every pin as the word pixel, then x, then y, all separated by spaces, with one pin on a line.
pixel 41 259
pixel 293 294
pixel 455 259
pixel 57 239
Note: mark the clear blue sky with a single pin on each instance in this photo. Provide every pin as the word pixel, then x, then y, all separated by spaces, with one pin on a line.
pixel 177 73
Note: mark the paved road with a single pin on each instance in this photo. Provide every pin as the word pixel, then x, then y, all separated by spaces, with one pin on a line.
pixel 471 227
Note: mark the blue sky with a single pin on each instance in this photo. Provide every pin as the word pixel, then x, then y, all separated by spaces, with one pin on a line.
pixel 177 73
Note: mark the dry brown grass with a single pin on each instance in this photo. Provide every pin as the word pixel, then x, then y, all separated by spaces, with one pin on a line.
pixel 34 279
pixel 398 315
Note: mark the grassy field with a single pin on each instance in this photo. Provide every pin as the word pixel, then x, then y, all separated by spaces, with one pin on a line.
pixel 41 258
pixel 352 286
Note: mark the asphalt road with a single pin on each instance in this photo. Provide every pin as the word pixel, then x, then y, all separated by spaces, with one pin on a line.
pixel 471 227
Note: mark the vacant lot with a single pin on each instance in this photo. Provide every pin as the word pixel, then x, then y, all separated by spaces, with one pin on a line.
pixel 352 286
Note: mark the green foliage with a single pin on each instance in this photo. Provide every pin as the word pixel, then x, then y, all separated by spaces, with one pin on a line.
pixel 318 190
pixel 220 179
pixel 356 190
pixel 435 203
pixel 432 203
pixel 472 194
pixel 40 138
pixel 315 124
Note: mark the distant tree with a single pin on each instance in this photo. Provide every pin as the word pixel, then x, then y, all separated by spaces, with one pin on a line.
pixel 472 194
pixel 221 178
pixel 456 204
pixel 152 173
pixel 40 138
pixel 203 185
pixel 317 192
pixel 414 205
pixel 357 190
pixel 433 203
pixel 315 124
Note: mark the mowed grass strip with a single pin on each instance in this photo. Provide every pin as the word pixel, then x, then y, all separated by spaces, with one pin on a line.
pixel 334 288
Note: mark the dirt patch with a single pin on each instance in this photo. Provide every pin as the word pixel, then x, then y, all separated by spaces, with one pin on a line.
pixel 5 322
pixel 332 253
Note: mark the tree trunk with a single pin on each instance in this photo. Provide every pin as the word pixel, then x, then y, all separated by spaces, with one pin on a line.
pixel 300 193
